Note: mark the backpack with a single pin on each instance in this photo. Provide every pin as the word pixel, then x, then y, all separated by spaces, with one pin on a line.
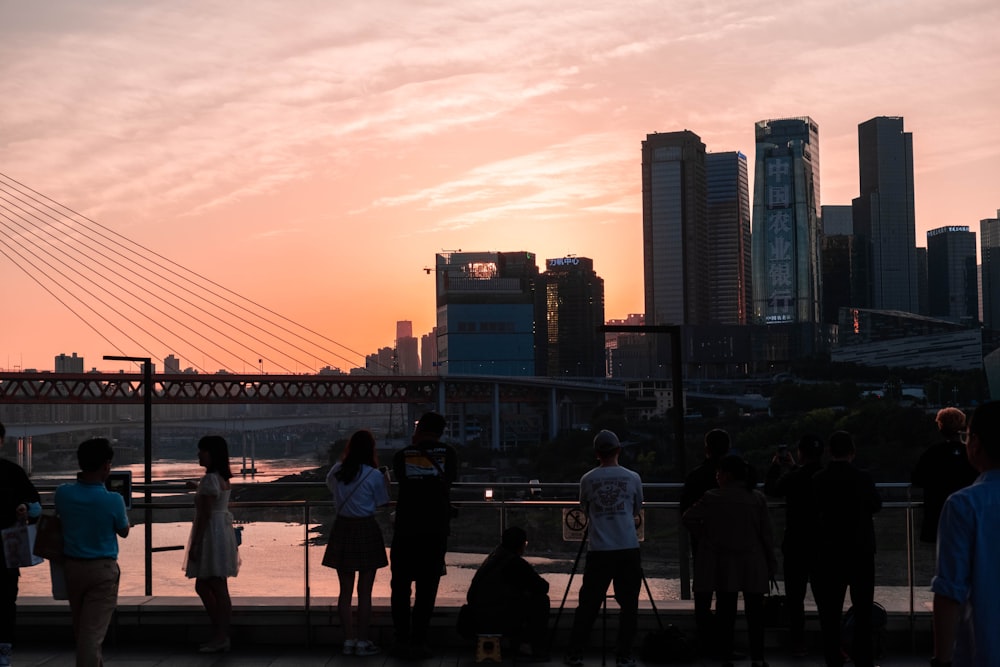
pixel 879 620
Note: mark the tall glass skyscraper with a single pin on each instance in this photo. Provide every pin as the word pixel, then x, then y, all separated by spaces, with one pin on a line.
pixel 952 284
pixel 989 240
pixel 786 234
pixel 675 238
pixel 728 216
pixel 884 225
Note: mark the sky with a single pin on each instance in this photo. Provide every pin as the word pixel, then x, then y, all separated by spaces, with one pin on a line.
pixel 314 156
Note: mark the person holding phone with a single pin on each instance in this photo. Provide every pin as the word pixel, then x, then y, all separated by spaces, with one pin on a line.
pixel 18 501
pixel 356 547
pixel 212 554
pixel 793 481
pixel 93 519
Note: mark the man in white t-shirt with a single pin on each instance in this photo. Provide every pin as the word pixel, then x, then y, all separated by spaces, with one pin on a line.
pixel 611 495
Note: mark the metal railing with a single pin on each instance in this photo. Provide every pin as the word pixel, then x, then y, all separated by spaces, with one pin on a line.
pixel 275 529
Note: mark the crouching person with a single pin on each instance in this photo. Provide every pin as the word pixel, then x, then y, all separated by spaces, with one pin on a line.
pixel 508 597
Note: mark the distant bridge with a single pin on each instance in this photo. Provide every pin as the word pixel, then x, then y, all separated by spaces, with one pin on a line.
pixel 171 388
pixel 426 392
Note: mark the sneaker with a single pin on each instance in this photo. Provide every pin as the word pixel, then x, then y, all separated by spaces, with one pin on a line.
pixel 365 647
pixel 349 645
pixel 625 661
pixel 573 660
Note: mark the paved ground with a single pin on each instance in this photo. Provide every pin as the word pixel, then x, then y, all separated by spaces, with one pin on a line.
pixel 283 656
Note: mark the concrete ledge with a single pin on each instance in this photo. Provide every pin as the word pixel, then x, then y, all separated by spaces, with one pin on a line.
pixel 277 621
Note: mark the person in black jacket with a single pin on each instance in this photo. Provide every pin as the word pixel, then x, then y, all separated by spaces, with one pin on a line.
pixel 696 483
pixel 942 470
pixel 846 499
pixel 508 597
pixel 424 473
pixel 795 486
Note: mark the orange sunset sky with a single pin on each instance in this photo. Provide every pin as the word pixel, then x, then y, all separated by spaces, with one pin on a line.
pixel 315 156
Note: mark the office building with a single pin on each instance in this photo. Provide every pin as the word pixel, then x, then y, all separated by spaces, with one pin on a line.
pixel 837 248
pixel 66 364
pixel 989 248
pixel 897 339
pixel 728 218
pixel 574 315
pixel 786 234
pixel 407 359
pixel 953 292
pixel 884 224
pixel 487 307
pixel 675 239
pixel 428 353
pixel 171 364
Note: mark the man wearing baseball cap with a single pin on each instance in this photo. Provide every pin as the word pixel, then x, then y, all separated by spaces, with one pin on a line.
pixel 611 495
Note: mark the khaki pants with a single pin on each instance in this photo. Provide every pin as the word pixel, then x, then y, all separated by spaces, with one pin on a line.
pixel 93 595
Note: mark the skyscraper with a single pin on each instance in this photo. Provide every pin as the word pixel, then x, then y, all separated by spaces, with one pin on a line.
pixel 953 292
pixel 884 224
pixel 728 216
pixel 989 239
pixel 786 235
pixel 574 314
pixel 407 359
pixel 837 245
pixel 675 238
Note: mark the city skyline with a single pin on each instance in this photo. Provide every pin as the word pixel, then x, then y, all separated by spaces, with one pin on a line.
pixel 318 160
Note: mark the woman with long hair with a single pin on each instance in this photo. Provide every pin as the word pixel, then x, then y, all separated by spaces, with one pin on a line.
pixel 356 546
pixel 735 552
pixel 212 554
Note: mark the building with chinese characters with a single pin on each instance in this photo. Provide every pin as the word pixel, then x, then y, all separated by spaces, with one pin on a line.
pixel 574 315
pixel 487 307
pixel 786 235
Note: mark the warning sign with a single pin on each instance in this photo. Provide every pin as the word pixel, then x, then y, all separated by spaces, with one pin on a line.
pixel 574 525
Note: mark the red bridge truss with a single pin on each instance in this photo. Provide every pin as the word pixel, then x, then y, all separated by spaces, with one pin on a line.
pixel 35 388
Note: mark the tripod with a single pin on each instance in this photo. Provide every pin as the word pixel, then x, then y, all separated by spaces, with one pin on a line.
pixel 569 584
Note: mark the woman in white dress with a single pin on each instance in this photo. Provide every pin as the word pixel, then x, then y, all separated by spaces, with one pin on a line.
pixel 356 546
pixel 212 555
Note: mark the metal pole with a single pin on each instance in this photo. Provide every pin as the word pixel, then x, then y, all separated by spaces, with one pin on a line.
pixel 147 414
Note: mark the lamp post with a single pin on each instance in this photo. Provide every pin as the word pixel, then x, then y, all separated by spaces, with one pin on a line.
pixel 147 449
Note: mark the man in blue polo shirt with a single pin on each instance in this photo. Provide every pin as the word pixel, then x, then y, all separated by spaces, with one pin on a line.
pixel 965 584
pixel 92 519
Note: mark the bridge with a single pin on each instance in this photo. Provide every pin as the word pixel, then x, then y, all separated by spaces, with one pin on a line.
pixel 550 396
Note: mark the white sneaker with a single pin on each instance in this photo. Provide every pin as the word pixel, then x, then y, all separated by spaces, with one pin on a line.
pixel 365 647
pixel 349 646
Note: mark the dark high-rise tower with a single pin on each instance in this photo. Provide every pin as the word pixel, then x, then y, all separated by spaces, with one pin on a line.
pixel 953 290
pixel 989 239
pixel 728 215
pixel 884 224
pixel 574 314
pixel 675 239
pixel 786 234
pixel 837 260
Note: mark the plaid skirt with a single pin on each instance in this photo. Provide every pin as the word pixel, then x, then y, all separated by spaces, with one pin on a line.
pixel 355 544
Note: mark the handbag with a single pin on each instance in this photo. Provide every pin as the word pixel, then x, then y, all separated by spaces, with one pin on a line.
pixel 18 541
pixel 49 540
pixel 775 607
